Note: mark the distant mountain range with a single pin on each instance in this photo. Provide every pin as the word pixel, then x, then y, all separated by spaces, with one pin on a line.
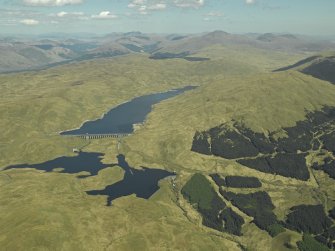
pixel 17 54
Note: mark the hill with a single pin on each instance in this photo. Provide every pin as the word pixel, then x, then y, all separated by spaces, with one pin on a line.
pixel 319 66
pixel 41 52
pixel 238 94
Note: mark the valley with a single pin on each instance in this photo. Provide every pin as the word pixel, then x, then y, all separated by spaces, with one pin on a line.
pixel 245 161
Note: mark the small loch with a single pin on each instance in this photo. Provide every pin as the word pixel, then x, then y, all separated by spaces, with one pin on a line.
pixel 141 182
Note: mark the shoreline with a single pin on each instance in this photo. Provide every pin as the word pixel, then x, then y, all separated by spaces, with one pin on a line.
pixel 186 88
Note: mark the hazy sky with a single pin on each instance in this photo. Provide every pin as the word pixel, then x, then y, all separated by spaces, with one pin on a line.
pixel 314 17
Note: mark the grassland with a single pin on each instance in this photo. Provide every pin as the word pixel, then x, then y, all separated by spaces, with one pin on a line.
pixel 51 211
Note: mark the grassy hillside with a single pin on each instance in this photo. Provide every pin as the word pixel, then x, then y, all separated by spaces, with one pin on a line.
pixel 51 211
pixel 320 66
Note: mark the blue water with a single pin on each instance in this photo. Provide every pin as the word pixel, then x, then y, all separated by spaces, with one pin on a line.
pixel 144 182
pixel 83 162
pixel 141 182
pixel 122 118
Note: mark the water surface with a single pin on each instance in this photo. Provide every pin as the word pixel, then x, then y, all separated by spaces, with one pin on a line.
pixel 122 118
pixel 143 183
pixel 83 162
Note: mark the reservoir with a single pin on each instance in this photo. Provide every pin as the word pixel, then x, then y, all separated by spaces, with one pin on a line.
pixel 141 182
pixel 121 119
pixel 90 163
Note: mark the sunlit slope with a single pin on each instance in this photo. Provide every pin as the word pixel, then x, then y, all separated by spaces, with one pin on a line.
pixel 52 211
pixel 35 106
pixel 263 102
pixel 260 58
